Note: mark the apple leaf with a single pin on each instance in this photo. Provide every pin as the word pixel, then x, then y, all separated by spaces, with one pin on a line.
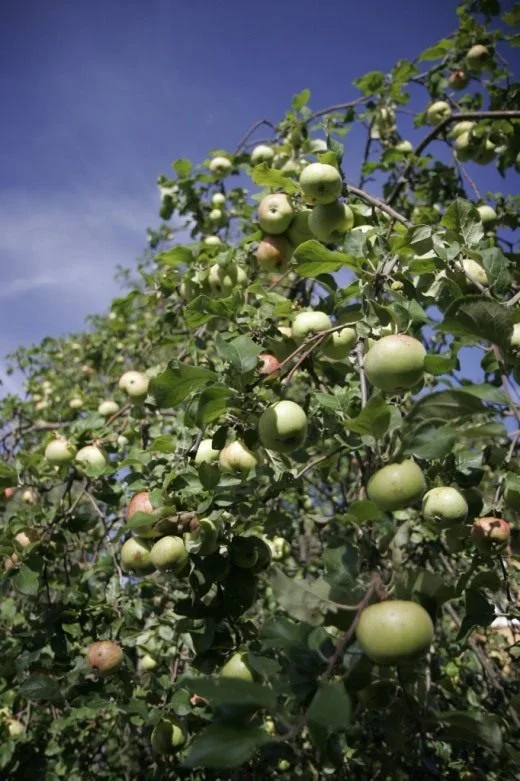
pixel 232 691
pixel 364 510
pixel 203 309
pixel 242 352
pixel 479 318
pixel 373 420
pixel 447 405
pixel 463 219
pixel 27 581
pixel 428 440
pixel 222 746
pixel 265 176
pixel 472 727
pixel 440 364
pixel 8 475
pixel 302 599
pixel 175 256
pixel 178 382
pixel 39 687
pixel 314 259
pixel 496 265
pixel 479 613
pixel 212 403
pixel 331 706
pixel 301 99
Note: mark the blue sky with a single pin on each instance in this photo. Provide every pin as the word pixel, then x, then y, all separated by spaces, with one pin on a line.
pixel 98 98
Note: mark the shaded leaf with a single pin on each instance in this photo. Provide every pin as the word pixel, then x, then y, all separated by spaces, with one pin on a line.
pixel 221 746
pixel 479 317
pixel 231 691
pixel 331 706
pixel 314 259
pixel 177 383
pixel 39 687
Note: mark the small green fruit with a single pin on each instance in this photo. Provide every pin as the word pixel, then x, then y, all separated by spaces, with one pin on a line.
pixel 395 363
pixel 235 667
pixel 169 553
pixel 396 486
pixel 444 505
pixel 167 737
pixel 283 427
pixel 394 631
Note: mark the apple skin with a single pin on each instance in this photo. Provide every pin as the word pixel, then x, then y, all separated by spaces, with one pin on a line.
pixel 463 147
pixel 458 79
pixel 475 271
pixel 236 457
pixel 15 728
pixel 487 214
pixel 205 453
pixel 308 323
pixel 203 541
pixel 484 152
pixel 283 427
pixel 104 656
pixel 394 631
pixel 437 112
pixel 29 496
pixel 60 451
pixel 459 128
pixel 167 737
pixel 396 486
pixel 269 365
pixel 212 241
pixel 490 534
pixel 262 154
pixel 477 57
pixel 90 455
pixel 395 363
pixel 299 230
pixel 280 548
pixel 220 167
pixel 169 553
pixel 404 146
pixel 320 183
pixel 444 505
pixel 218 200
pixel 135 556
pixel 223 280
pixel 146 663
pixel 329 222
pixel 216 215
pixel 274 253
pixel 25 538
pixel 235 667
pixel 515 339
pixel 9 493
pixel 108 407
pixel 76 403
pixel 140 503
pixel 135 384
pixel 275 213
pixel 339 344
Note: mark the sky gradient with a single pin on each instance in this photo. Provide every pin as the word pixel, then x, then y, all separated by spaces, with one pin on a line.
pixel 99 98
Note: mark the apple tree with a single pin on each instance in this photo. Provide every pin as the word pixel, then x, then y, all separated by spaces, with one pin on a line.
pixel 261 518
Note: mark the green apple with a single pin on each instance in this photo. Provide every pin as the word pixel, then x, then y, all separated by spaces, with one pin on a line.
pixel 329 222
pixel 218 200
pixel 25 538
pixel 275 213
pixel 485 151
pixel 262 154
pixel 135 556
pixel 60 451
pixel 235 667
pixel 204 540
pixel 236 457
pixel 459 128
pixel 404 146
pixel 108 407
pixel 395 363
pixel 299 230
pixel 141 503
pixel 216 215
pixel 283 427
pixel 90 455
pixel 309 323
pixel 318 145
pixel 477 57
pixel 444 505
pixel 437 112
pixel 490 534
pixel 474 271
pixel 487 214
pixel 463 147
pixel 220 167
pixel 167 737
pixel 339 344
pixel 146 663
pixel 169 553
pixel 394 631
pixel 29 496
pixel 274 253
pixel 458 79
pixel 135 384
pixel 76 403
pixel 15 728
pixel 205 453
pixel 515 338
pixel 280 548
pixel 320 183
pixel 396 486
pixel 212 241
pixel 104 656
pixel 223 280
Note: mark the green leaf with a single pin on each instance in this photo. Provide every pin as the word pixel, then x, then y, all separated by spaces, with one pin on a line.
pixel 39 687
pixel 497 269
pixel 232 691
pixel 304 600
pixel 281 632
pixel 447 405
pixel 175 256
pixel 371 82
pixel 440 364
pixel 331 707
pixel 429 440
pixel 301 99
pixel 314 259
pixel 436 51
pixel 26 581
pixel 203 309
pixel 373 420
pixel 462 218
pixel 242 352
pixel 479 317
pixel 479 613
pixel 182 167
pixel 222 746
pixel 364 510
pixel 480 729
pixel 212 404
pixel 178 382
pixel 8 476
pixel 264 176
pixel 209 475
pixel 164 444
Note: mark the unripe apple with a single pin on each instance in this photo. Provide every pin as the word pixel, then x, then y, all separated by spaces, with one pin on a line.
pixel 329 222
pixel 146 663
pixel 262 154
pixel 274 253
pixel 104 656
pixel 463 147
pixel 292 166
pixel 475 271
pixel 218 200
pixel 396 486
pixel 60 451
pixel 444 505
pixel 205 453
pixel 299 230
pixel 275 213
pixel 223 280
pixel 76 403
pixel 108 407
pixel 90 455
pixel 135 384
pixel 395 363
pixel 320 183
pixel 280 548
pixel 308 323
pixel 236 457
pixel 15 728
pixel 220 167
pixel 458 79
pixel 339 344
pixel 487 214
pixel 490 534
pixel 135 556
pixel 404 146
pixel 283 427
pixel 12 562
pixel 141 503
pixel 216 215
pixel 235 667
pixel 318 145
pixel 212 241
pixel 41 405
pixel 477 57
pixel 459 128
pixel 515 338
pixel 437 112
pixel 25 538
pixel 484 152
pixel 169 553
pixel 204 540
pixel 29 496
pixel 268 365
pixel 394 631
pixel 167 737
